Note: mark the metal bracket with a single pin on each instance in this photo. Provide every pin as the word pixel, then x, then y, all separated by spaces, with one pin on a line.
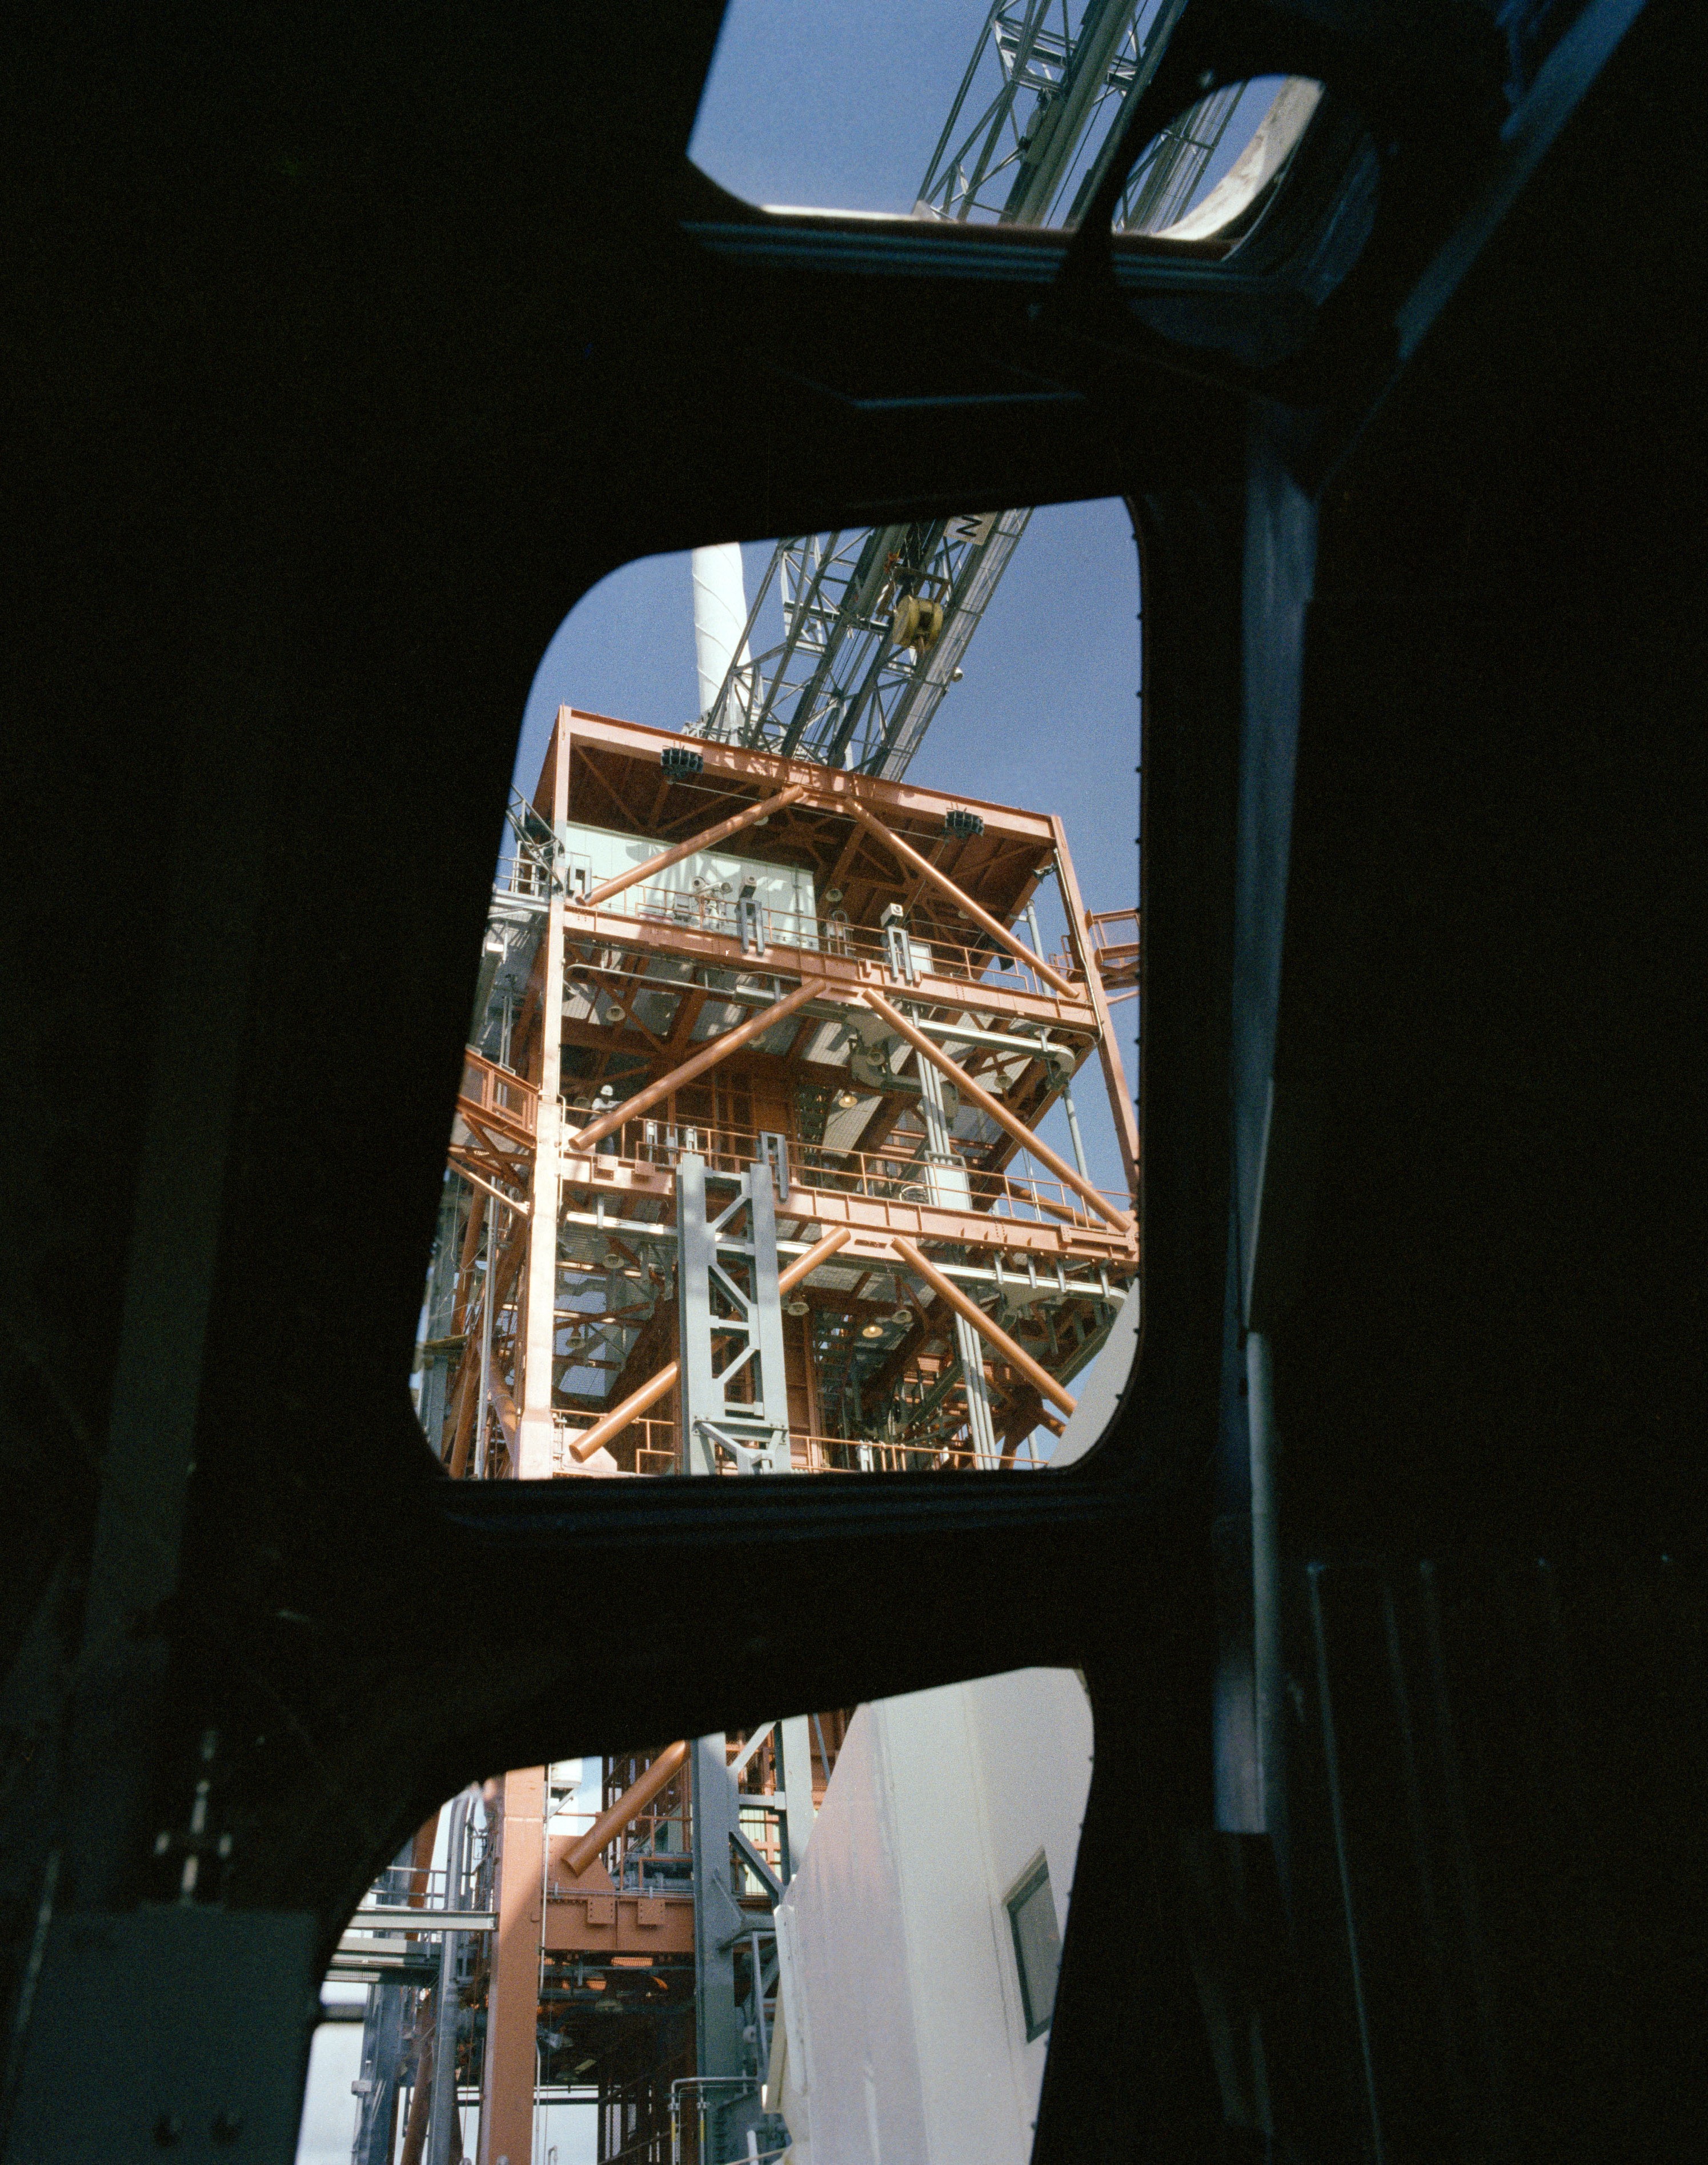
pixel 754 1455
pixel 733 1393
pixel 773 1150
pixel 757 1866
pixel 750 923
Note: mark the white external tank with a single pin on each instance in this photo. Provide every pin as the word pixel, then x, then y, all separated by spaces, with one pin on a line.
pixel 917 1943
pixel 719 615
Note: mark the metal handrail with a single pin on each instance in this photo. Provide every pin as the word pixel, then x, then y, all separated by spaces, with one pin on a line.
pixel 828 934
pixel 1099 920
pixel 498 1090
pixel 658 1455
pixel 932 1180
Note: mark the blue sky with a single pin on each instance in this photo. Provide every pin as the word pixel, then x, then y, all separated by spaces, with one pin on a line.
pixel 837 105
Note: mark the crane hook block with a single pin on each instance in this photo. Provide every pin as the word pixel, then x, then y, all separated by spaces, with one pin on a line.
pixel 919 623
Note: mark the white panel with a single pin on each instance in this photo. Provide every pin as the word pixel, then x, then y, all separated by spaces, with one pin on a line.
pixel 1098 1394
pixel 602 855
pixel 845 1944
pixel 908 2042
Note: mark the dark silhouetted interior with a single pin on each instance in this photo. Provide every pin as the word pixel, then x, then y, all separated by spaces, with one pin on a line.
pixel 346 348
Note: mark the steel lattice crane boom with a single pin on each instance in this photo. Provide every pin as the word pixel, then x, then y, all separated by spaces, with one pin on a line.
pixel 875 621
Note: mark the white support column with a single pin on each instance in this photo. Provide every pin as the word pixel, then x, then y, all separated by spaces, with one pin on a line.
pixel 1067 1104
pixel 534 1437
pixel 969 1344
pixel 719 617
pixel 795 1756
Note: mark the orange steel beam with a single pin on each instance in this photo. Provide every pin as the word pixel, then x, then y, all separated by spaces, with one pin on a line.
pixel 658 1387
pixel 946 1289
pixel 977 1095
pixel 839 975
pixel 615 1817
pixel 479 1180
pixel 503 1270
pixel 1121 1097
pixel 421 1861
pixel 421 2102
pixel 513 1992
pixel 821 1251
pixel 631 1409
pixel 709 840
pixel 829 788
pixel 465 1267
pixel 732 1040
pixel 994 926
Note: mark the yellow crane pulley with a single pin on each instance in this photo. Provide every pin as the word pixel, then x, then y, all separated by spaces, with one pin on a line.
pixel 918 623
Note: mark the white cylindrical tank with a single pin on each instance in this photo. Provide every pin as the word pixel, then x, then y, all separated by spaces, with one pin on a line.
pixel 719 615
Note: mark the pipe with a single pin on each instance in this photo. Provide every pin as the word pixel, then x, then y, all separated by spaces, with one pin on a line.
pixel 615 1817
pixel 977 1095
pixel 420 2096
pixel 732 1040
pixel 803 1266
pixel 709 840
pixel 618 1419
pixel 947 1290
pixel 486 1341
pixel 421 1863
pixel 444 2116
pixel 982 918
pixel 480 1180
pixel 1068 1106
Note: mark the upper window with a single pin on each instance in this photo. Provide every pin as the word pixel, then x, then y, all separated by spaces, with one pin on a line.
pixel 1007 114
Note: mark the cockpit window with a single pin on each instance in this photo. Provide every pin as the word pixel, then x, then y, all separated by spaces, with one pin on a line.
pixel 796 1130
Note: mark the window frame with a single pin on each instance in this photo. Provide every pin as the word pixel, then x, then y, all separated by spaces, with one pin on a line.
pixel 1032 1882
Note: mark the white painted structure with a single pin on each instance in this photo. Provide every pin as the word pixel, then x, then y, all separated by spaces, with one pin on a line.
pixel 720 616
pixel 901 2031
pixel 1099 1392
pixel 707 884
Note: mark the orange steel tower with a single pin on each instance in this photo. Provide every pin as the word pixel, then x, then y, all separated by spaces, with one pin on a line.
pixel 745 1178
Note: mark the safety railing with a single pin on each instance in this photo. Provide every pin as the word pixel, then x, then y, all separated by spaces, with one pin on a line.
pixel 843 1454
pixel 523 878
pixel 943 1181
pixel 654 1443
pixel 494 1089
pixel 417 1892
pixel 758 926
pixel 1114 946
pixel 403 1886
pixel 1114 928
